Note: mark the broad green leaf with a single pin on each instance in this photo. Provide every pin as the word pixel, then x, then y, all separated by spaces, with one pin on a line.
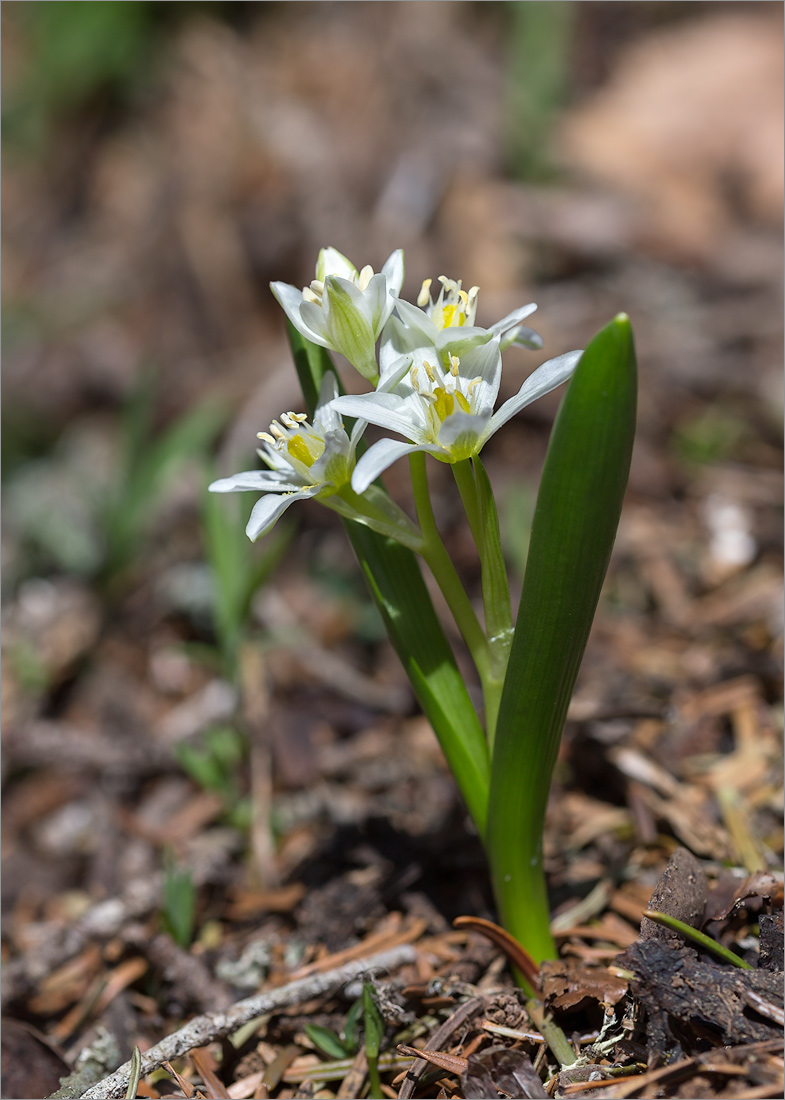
pixel 396 583
pixel 575 521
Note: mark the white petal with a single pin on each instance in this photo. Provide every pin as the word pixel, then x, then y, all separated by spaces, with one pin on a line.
pixel 514 318
pixel 459 341
pixel 546 378
pixel 358 430
pixel 260 481
pixel 483 362
pixel 392 371
pixel 393 271
pixel 377 458
pixel 291 299
pixel 333 464
pixel 333 262
pixel 351 330
pixel 417 320
pixel 522 337
pixel 312 324
pixel 387 410
pixel 379 302
pixel 268 510
pixel 464 427
pixel 325 415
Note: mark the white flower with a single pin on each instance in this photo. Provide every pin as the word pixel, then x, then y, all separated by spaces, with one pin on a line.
pixel 305 460
pixel 345 309
pixel 445 410
pixel 448 323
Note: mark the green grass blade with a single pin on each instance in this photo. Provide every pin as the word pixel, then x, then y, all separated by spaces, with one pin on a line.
pixel 575 521
pixel 397 586
pixel 700 939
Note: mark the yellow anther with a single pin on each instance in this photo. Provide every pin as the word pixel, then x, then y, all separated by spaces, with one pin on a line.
pixel 474 382
pixel 464 298
pixel 415 375
pixel 299 418
pixel 425 293
pixel 429 371
pixel 288 420
pixel 265 436
pixel 277 431
pixel 365 277
pixel 454 365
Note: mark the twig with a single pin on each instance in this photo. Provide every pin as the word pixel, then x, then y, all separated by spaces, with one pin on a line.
pixel 440 1036
pixel 205 1029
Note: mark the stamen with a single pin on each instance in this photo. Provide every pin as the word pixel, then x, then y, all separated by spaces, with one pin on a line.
pixel 415 375
pixel 309 296
pixel 429 371
pixel 450 285
pixel 454 365
pixel 276 430
pixel 365 277
pixel 288 420
pixel 424 297
pixel 299 418
pixel 266 437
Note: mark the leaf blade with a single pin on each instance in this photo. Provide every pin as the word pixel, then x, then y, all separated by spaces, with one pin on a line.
pixel 575 522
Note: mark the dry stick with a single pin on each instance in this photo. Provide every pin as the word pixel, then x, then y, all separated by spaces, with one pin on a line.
pixel 205 1029
pixel 440 1036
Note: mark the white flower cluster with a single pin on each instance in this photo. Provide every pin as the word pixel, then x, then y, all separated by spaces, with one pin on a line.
pixel 436 381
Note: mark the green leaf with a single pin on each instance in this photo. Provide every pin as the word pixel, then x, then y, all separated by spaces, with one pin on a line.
pixel 397 586
pixel 700 939
pixel 350 1037
pixel 374 1033
pixel 374 1024
pixel 135 1074
pixel 326 1041
pixel 575 521
pixel 179 904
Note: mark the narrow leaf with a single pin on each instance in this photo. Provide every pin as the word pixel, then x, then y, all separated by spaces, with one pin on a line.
pixel 700 939
pixel 575 521
pixel 135 1075
pixel 326 1041
pixel 396 583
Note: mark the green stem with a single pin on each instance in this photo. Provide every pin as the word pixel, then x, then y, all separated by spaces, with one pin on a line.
pixel 464 479
pixel 440 564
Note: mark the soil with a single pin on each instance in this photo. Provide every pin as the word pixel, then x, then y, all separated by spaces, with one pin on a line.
pixel 184 831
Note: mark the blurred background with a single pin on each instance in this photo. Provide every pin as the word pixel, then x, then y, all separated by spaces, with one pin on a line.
pixel 162 163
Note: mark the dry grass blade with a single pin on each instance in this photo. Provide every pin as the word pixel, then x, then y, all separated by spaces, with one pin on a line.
pixel 204 1063
pixel 451 1062
pixel 187 1088
pixel 440 1036
pixel 518 956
